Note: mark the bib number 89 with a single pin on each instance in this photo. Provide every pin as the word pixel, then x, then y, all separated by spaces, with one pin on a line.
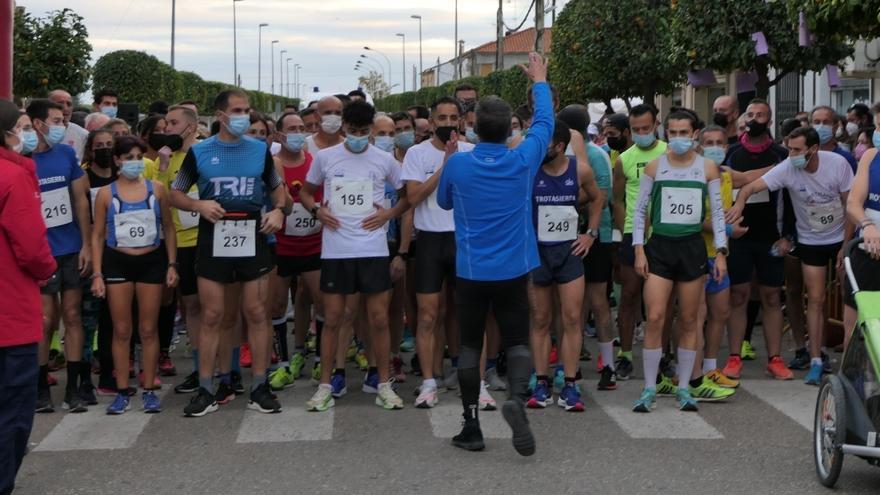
pixel 826 219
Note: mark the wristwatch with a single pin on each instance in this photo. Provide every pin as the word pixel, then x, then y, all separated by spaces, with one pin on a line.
pixel 404 256
pixel 722 250
pixel 314 211
pixel 592 233
pixel 174 264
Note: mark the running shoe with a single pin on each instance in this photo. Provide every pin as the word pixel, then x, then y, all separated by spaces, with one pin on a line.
pixel 157 382
pixel 733 368
pixel 607 380
pixel 427 398
pixel 647 401
pixel 722 381
pixel 486 401
pixel 281 378
pixel 189 385
pixel 570 398
pixel 827 366
pixel 415 366
pixel 600 363
pixel 312 342
pixel 73 402
pixel 554 355
pixel 371 383
pixel 119 405
pixel 151 403
pixel 814 376
pixel 709 391
pixel 297 363
pixel 237 384
pixel 263 401
pixel 747 351
pixel 540 397
pixel 166 367
pixel 322 399
pixel 362 361
pixel 623 367
pixel 44 401
pixel 495 382
pixel 397 370
pixel 225 393
pixel 515 416
pixel 408 344
pixel 558 379
pixel 316 372
pixel 685 401
pixel 245 360
pixel 777 369
pixel 337 384
pixel 51 380
pixel 387 398
pixel 351 352
pixel 87 392
pixel 450 379
pixel 590 331
pixel 665 385
pixel 201 404
pixel 801 360
pixel 274 359
pixel 471 437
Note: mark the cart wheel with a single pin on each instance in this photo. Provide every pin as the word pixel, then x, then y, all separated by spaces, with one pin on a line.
pixel 829 430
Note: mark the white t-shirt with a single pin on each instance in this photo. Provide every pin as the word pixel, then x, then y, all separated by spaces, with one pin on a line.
pixel 419 164
pixel 353 183
pixel 75 137
pixel 818 208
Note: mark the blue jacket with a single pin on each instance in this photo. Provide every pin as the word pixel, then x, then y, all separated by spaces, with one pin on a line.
pixel 490 190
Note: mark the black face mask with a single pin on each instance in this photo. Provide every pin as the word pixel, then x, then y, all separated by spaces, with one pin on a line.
pixel 756 129
pixel 103 157
pixel 549 158
pixel 720 119
pixel 444 133
pixel 617 143
pixel 174 141
pixel 156 141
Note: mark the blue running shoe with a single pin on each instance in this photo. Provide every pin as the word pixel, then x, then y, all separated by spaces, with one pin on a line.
pixel 814 376
pixel 152 405
pixel 646 401
pixel 686 401
pixel 540 397
pixel 120 404
pixel 570 398
pixel 590 331
pixel 371 383
pixel 337 383
pixel 408 344
pixel 558 379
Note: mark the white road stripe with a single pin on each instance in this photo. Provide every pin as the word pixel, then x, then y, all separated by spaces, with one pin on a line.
pixel 792 398
pixel 446 419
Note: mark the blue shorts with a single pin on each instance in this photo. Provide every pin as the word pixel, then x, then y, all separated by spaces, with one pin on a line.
pixel 558 265
pixel 713 287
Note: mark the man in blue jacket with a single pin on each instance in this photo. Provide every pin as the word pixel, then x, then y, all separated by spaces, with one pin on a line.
pixel 489 190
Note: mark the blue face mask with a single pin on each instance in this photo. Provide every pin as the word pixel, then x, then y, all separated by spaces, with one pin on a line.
pixel 384 143
pixel 109 111
pixel 238 125
pixel 714 153
pixel 357 144
pixel 875 138
pixel 644 140
pixel 470 135
pixel 799 161
pixel 681 145
pixel 55 134
pixel 29 141
pixel 405 140
pixel 131 169
pixel 825 133
pixel 295 142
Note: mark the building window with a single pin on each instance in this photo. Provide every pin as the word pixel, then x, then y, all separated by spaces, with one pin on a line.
pixel 850 91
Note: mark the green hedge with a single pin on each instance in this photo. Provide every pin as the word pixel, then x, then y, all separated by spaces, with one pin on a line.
pixel 142 78
pixel 510 84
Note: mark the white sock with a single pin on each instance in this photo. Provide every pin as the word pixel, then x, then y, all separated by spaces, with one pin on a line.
pixel 686 360
pixel 709 365
pixel 817 360
pixel 429 383
pixel 651 363
pixel 606 350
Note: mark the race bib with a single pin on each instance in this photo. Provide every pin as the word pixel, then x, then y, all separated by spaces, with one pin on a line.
pixel 557 223
pixel 300 222
pixel 57 210
pixel 758 197
pixel 432 198
pixel 681 206
pixel 189 219
pixel 135 229
pixel 825 217
pixel 235 238
pixel 351 196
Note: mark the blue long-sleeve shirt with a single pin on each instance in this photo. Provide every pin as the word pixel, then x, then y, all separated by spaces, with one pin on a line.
pixel 489 190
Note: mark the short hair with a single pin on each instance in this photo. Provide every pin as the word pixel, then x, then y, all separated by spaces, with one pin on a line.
pixel 446 100
pixel 618 121
pixel 39 109
pixel 860 109
pixel 221 102
pixel 824 107
pixel 358 114
pixel 679 113
pixel 493 120
pixel 345 99
pixel 576 116
pixel 279 124
pixel 291 105
pixel 187 102
pixel 88 155
pixel 90 118
pixel 187 112
pixel 398 116
pixel 422 111
pixel 357 92
pixel 113 122
pixel 465 87
pixel 642 109
pixel 761 101
pixel 146 126
pixel 9 115
pixel 125 144
pixel 808 133
pixel 259 117
pixel 307 111
pixel 99 96
pixel 788 125
pixel 158 107
pixel 711 128
pixel 561 133
pixel 524 113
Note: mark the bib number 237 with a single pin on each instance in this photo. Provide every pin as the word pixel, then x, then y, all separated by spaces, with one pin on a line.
pixel 235 238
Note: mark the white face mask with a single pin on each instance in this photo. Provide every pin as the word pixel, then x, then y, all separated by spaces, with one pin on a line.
pixel 852 129
pixel 331 124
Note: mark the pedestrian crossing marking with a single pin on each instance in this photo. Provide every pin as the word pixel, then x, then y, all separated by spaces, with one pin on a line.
pixel 292 424
pixel 793 399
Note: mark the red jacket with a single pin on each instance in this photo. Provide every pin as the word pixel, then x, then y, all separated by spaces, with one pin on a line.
pixel 25 257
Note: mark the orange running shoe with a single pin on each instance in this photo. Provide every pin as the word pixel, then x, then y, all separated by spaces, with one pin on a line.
pixel 733 368
pixel 777 369
pixel 244 356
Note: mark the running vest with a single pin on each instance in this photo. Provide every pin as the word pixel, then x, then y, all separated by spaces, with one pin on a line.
pixel 553 205
pixel 133 225
pixel 678 197
pixel 301 234
pixel 634 161
pixel 872 202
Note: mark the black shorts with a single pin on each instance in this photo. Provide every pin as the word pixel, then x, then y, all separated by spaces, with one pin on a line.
pixel 292 266
pixel 227 270
pixel 558 265
pixel 353 275
pixel 626 253
pixel 598 263
pixel 818 255
pixel 186 270
pixel 867 272
pixel 120 268
pixel 66 276
pixel 435 261
pixel 680 259
pixel 748 257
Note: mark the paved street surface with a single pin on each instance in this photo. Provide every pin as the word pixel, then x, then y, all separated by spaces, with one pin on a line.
pixel 759 442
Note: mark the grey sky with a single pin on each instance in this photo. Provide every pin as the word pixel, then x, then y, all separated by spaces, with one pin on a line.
pixel 325 36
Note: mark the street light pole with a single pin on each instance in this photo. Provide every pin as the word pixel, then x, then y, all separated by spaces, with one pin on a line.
pixel 457 70
pixel 173 17
pixel 296 69
pixel 234 44
pixel 385 76
pixel 272 60
pixel 260 54
pixel 403 70
pixel 421 68
pixel 388 60
pixel 288 76
pixel 281 72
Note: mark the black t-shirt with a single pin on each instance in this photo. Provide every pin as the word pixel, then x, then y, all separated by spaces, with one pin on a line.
pixel 96 182
pixel 759 216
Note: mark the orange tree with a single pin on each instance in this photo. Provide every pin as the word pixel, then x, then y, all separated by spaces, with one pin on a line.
pixel 50 53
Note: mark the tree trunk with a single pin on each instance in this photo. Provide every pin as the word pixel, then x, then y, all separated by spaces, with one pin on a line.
pixel 608 108
pixel 762 85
